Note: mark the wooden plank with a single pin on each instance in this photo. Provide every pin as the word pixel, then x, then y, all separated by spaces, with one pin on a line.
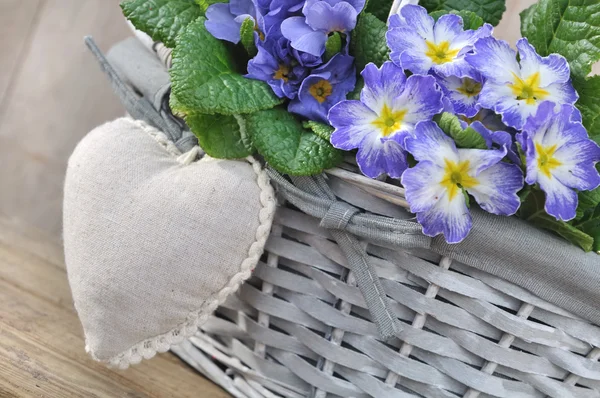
pixel 41 341
pixel 17 19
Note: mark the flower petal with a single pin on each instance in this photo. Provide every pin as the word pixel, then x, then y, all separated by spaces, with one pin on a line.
pixel 375 157
pixel 422 186
pixel 417 19
pixel 561 201
pixel 381 85
pixel 422 98
pixel 497 190
pixel 450 217
pixel 407 49
pixel 221 23
pixel 552 69
pixel 578 165
pixel 352 122
pixel 303 37
pixel 481 159
pixel 447 28
pixel 431 144
pixel 494 59
pixel 338 18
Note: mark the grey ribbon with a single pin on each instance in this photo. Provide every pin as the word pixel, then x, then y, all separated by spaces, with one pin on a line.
pixel 345 223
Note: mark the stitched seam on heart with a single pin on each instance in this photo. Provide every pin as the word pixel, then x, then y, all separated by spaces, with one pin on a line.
pixel 148 348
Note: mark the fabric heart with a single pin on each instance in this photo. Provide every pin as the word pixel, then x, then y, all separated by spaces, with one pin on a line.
pixel 153 244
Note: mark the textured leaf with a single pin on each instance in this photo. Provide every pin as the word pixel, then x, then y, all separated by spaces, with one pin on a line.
pixel 567 27
pixel 532 210
pixel 379 8
pixel 205 80
pixel 280 138
pixel 470 19
pixel 368 41
pixel 467 138
pixel 221 136
pixel 589 104
pixel 332 46
pixel 588 200
pixel 321 129
pixel 490 10
pixel 162 20
pixel 247 36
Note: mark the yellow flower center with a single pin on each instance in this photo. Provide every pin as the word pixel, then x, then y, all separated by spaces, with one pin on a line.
pixel 282 73
pixel 546 160
pixel 261 35
pixel 440 53
pixel 528 89
pixel 389 121
pixel 469 87
pixel 456 177
pixel 321 90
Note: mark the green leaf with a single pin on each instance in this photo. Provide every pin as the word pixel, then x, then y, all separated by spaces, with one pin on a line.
pixel 570 28
pixel 205 80
pixel 590 225
pixel 470 19
pixel 332 46
pixel 204 4
pixel 163 20
pixel 532 210
pixel 589 104
pixel 490 10
pixel 280 138
pixel 321 129
pixel 247 36
pixel 467 138
pixel 221 136
pixel 379 8
pixel 368 41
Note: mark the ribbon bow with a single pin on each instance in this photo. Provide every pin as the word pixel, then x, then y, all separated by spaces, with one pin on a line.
pixel 345 223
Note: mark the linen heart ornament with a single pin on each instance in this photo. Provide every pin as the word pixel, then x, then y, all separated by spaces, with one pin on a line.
pixel 155 242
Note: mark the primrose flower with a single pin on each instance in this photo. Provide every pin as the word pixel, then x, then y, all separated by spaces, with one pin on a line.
pixel 420 44
pixel 223 20
pixel 275 65
pixel 437 187
pixel 389 108
pixel 275 12
pixel 463 93
pixel 560 158
pixel 326 86
pixel 516 89
pixel 497 139
pixel 309 33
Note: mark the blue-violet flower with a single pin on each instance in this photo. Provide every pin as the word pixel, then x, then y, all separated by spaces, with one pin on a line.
pixel 224 20
pixel 326 86
pixel 389 108
pixel 437 187
pixel 420 44
pixel 560 157
pixel 516 89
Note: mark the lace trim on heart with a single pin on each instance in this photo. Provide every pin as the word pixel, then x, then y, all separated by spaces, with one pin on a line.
pixel 148 348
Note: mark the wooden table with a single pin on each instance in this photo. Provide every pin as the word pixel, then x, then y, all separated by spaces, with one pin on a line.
pixel 41 340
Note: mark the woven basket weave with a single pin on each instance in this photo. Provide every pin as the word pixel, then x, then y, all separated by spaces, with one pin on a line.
pixel 300 326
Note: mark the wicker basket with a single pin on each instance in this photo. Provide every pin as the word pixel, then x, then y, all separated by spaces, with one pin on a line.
pixel 300 326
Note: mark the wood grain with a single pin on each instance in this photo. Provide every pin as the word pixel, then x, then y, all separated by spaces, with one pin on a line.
pixel 41 341
pixel 57 94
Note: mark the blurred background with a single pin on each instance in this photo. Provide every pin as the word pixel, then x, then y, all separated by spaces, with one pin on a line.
pixel 52 93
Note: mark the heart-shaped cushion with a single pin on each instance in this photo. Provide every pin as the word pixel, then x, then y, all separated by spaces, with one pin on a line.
pixel 154 243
